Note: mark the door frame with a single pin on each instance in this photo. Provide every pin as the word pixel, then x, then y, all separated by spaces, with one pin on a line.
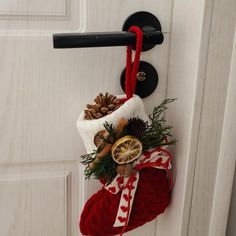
pixel 211 163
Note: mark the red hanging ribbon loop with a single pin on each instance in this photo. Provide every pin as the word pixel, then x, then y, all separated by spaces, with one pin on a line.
pixel 132 68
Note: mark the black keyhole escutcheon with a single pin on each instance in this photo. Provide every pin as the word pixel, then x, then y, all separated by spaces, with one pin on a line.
pixel 147 80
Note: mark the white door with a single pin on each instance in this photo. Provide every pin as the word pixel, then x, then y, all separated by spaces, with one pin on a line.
pixel 43 90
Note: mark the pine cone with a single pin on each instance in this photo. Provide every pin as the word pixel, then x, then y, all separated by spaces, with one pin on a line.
pixel 104 105
pixel 136 127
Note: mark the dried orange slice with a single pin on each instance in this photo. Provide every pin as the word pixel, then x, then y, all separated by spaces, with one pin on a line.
pixel 126 149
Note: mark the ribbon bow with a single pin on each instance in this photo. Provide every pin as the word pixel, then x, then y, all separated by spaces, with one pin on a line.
pixel 158 158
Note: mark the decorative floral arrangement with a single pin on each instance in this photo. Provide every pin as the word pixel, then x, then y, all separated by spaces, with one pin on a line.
pixel 119 146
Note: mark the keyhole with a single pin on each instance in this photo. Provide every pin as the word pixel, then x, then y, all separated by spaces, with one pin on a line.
pixel 141 76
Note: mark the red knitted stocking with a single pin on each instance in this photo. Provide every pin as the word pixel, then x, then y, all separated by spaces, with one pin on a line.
pixel 151 199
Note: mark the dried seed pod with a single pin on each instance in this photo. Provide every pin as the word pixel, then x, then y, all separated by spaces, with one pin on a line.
pixel 98 137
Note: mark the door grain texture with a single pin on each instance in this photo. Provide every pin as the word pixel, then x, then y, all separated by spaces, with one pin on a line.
pixel 43 90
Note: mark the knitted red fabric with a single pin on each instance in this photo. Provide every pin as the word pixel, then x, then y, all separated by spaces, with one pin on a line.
pixel 151 199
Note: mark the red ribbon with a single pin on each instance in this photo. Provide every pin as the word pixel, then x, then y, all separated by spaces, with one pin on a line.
pixel 159 164
pixel 141 166
pixel 130 186
pixel 132 68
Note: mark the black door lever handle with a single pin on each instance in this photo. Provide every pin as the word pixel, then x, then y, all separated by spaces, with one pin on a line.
pixel 149 24
pixel 104 39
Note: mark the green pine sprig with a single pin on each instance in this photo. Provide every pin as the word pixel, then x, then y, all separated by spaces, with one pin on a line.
pixel 158 110
pixel 87 158
pixel 104 168
pixel 111 130
pixel 158 131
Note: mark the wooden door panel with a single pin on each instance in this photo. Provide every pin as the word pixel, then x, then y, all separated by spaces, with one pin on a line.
pixel 43 90
pixel 33 8
pixel 20 17
pixel 39 199
pixel 34 204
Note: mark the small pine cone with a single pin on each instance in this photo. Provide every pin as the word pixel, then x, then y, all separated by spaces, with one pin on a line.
pixel 104 105
pixel 136 127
